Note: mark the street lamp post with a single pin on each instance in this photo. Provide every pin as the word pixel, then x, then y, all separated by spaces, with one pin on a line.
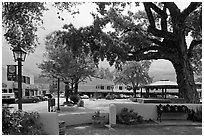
pixel 58 88
pixel 58 94
pixel 19 55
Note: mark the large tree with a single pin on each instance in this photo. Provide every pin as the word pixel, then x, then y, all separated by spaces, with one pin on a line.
pixel 133 74
pixel 173 45
pixel 158 33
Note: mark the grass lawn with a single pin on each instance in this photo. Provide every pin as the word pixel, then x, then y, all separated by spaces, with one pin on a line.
pixel 89 129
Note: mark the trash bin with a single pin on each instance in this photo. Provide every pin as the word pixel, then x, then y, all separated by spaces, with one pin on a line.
pixel 62 127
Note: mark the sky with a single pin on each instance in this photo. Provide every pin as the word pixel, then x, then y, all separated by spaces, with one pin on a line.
pixel 160 69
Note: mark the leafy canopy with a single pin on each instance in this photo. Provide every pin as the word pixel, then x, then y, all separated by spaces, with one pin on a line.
pixel 21 21
pixel 64 58
pixel 134 74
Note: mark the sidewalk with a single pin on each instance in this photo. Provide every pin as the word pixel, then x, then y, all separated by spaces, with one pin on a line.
pixel 178 123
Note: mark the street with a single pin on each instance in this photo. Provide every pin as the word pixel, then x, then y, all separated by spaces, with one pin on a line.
pixel 99 104
pixel 39 107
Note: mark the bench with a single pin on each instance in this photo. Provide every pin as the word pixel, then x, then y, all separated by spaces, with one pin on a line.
pixel 173 109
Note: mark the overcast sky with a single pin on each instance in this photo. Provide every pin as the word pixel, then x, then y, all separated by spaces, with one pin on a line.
pixel 160 69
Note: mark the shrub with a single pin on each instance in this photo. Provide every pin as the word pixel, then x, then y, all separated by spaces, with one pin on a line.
pixel 75 98
pixel 69 103
pixel 195 115
pixel 80 103
pixel 198 114
pixel 129 117
pixel 20 123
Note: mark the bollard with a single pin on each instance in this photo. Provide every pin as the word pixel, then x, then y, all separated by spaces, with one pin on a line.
pixel 112 115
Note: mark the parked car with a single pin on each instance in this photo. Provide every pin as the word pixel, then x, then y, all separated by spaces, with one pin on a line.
pixel 117 96
pixel 48 95
pixel 41 98
pixel 109 97
pixel 171 96
pixel 85 97
pixel 28 99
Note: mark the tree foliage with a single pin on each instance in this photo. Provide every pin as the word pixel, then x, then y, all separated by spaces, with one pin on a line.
pixel 65 59
pixel 20 22
pixel 134 74
pixel 161 35
pixel 104 73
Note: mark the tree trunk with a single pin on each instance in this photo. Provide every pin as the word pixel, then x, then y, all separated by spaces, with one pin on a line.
pixel 72 87
pixel 185 80
pixel 76 88
pixel 184 71
pixel 134 91
pixel 67 91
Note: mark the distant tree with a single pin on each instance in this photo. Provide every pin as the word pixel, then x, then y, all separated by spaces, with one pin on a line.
pixel 64 61
pixel 104 73
pixel 133 74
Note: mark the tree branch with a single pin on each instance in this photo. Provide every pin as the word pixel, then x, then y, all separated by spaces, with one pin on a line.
pixel 164 19
pixel 157 9
pixel 162 33
pixel 162 14
pixel 149 14
pixel 190 8
pixel 156 41
pixel 173 9
pixel 148 56
pixel 194 30
pixel 192 45
pixel 153 52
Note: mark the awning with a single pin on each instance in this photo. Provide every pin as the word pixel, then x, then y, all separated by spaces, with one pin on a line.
pixel 162 84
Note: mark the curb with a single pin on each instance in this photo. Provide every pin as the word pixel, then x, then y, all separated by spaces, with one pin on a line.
pixel 157 124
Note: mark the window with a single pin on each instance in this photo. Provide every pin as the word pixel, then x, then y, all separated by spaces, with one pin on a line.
pixel 5 96
pixel 108 87
pixel 23 79
pixel 28 80
pixel 120 88
pixel 10 90
pixel 4 90
pixel 102 87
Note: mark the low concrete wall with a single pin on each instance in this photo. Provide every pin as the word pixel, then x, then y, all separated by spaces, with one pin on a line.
pixel 79 118
pixel 148 111
pixel 50 122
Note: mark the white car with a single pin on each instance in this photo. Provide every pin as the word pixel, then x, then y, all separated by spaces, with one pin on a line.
pixel 85 97
pixel 171 96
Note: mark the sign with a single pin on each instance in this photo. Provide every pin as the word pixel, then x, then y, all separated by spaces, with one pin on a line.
pixel 4 85
pixel 11 72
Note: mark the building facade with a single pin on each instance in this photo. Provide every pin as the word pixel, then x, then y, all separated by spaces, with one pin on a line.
pixel 96 87
pixel 29 88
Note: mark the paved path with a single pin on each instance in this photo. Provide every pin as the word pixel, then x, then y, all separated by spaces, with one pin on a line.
pixel 89 129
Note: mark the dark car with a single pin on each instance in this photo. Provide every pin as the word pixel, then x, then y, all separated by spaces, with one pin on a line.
pixel 48 95
pixel 42 98
pixel 27 99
